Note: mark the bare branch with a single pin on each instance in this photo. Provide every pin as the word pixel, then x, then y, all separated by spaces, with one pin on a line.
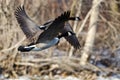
pixel 92 31
pixel 14 45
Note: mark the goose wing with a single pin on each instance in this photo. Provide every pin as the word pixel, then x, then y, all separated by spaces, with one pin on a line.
pixel 67 27
pixel 55 27
pixel 26 24
pixel 72 39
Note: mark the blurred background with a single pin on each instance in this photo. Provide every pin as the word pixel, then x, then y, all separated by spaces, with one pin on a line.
pixel 107 38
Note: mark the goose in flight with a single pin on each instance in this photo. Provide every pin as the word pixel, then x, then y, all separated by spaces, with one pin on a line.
pixel 49 33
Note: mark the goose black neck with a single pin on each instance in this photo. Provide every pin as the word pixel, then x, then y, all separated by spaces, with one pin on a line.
pixel 75 18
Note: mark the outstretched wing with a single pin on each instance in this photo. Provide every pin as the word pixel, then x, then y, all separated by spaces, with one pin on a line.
pixel 26 24
pixel 55 27
pixel 72 39
pixel 67 27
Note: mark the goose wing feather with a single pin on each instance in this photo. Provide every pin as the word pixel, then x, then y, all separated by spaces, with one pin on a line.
pixel 72 39
pixel 29 27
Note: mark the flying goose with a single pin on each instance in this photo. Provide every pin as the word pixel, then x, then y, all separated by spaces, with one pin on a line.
pixel 44 34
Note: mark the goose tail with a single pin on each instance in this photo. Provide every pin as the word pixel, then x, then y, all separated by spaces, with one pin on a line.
pixel 25 48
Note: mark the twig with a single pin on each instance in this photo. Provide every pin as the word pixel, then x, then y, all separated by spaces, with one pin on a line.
pixel 92 31
pixel 13 46
pixel 31 64
pixel 86 18
pixel 109 24
pixel 66 63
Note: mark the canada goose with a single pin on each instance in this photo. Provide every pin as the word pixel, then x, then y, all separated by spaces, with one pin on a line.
pixel 37 34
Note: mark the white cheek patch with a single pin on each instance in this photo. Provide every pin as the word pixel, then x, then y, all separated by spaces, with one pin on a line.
pixel 77 19
pixel 69 34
